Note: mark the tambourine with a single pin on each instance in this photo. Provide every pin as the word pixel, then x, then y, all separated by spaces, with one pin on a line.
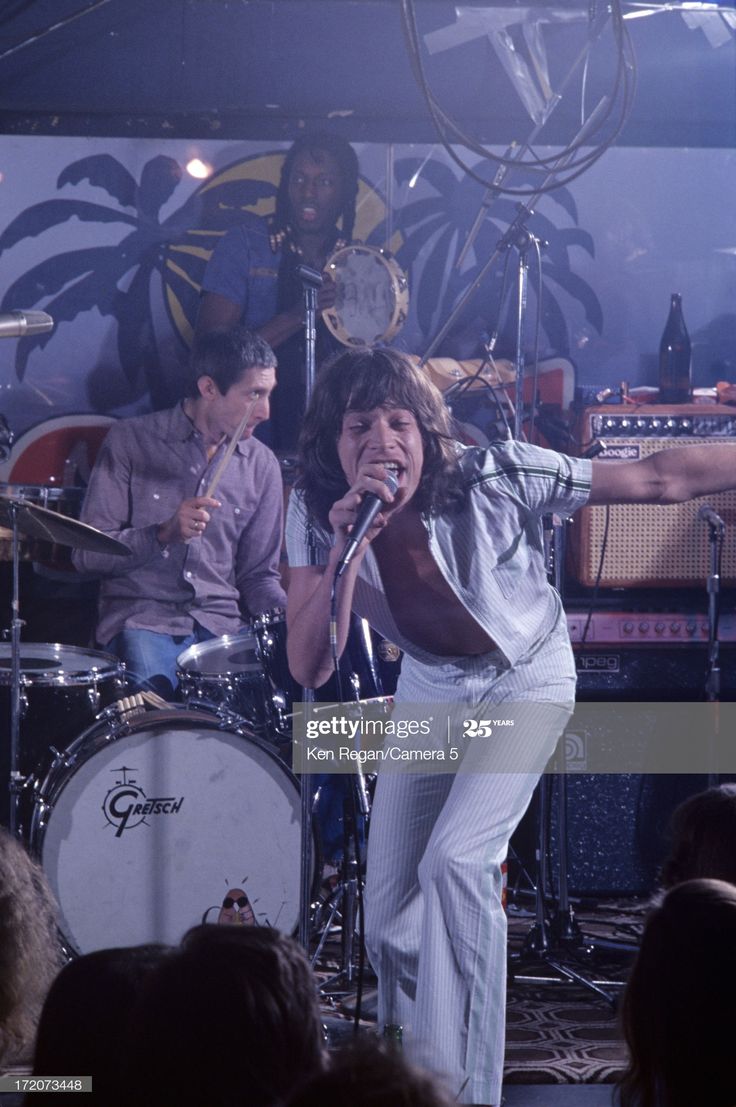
pixel 372 299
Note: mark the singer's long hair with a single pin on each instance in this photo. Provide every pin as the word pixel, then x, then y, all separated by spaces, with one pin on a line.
pixel 360 380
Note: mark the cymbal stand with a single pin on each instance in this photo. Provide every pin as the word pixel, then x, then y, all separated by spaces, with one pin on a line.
pixel 15 779
pixel 555 940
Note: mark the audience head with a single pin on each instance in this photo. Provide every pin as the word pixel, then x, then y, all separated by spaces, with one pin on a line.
pixel 680 1002
pixel 704 838
pixel 230 1018
pixel 370 1073
pixel 85 1023
pixel 30 953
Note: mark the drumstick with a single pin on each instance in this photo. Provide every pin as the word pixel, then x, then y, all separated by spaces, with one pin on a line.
pixel 229 451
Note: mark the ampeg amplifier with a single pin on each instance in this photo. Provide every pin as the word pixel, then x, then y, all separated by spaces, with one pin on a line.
pixel 618 823
pixel 653 546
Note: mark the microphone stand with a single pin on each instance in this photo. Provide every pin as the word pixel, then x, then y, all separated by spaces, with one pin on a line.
pixel 15 779
pixel 514 151
pixel 553 942
pixel 716 534
pixel 513 233
pixel 311 281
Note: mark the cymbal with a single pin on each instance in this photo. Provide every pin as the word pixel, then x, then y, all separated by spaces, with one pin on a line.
pixel 51 526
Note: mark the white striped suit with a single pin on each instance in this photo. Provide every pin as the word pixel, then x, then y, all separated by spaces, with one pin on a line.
pixel 435 930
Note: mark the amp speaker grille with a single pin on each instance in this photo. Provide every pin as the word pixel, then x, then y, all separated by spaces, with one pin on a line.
pixel 652 546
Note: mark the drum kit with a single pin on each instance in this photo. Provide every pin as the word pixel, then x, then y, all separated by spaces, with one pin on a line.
pixel 145 814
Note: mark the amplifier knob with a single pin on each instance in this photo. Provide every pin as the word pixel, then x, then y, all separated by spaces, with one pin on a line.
pixel 690 628
pixel 625 424
pixel 628 627
pixel 670 424
pixel 641 424
pixel 659 628
pixel 656 424
pixel 675 627
pixel 644 627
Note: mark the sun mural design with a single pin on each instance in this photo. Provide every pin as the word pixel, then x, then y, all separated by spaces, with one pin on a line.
pixel 119 281
pixel 248 185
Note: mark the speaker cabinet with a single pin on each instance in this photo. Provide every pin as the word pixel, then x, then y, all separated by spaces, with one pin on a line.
pixel 652 546
pixel 618 823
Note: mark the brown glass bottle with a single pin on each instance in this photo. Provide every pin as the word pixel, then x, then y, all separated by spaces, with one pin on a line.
pixel 675 381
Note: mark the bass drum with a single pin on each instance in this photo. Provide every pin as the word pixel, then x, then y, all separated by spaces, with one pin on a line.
pixel 372 296
pixel 146 827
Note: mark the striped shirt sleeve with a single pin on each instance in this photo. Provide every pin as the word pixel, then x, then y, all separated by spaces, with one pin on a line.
pixel 544 480
pixel 306 543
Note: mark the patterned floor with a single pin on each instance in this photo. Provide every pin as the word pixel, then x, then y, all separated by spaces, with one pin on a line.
pixel 558 1032
pixel 565 1032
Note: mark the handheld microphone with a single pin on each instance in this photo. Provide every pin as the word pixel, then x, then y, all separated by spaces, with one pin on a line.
pixel 369 508
pixel 16 324
pixel 710 516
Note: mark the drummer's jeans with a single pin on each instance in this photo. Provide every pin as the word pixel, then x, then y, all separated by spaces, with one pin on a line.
pixel 150 658
pixel 435 925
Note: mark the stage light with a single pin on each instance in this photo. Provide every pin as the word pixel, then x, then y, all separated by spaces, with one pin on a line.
pixel 200 169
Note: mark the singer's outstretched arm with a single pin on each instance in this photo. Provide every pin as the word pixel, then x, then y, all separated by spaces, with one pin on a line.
pixel 666 477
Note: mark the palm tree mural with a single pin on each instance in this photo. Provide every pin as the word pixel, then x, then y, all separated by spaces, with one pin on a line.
pixel 117 280
pixel 436 226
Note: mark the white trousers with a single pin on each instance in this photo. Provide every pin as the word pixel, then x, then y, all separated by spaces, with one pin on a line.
pixel 435 926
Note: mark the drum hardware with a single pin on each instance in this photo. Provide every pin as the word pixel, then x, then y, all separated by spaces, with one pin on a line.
pixel 557 941
pixel 372 296
pixel 37 522
pixel 7 438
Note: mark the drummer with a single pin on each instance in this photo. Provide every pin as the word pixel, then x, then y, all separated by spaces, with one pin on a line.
pixel 252 274
pixel 200 565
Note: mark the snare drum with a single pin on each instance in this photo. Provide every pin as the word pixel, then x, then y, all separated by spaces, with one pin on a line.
pixel 143 826
pixel 372 298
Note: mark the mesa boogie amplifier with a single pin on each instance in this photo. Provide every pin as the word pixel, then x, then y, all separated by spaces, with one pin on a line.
pixel 653 546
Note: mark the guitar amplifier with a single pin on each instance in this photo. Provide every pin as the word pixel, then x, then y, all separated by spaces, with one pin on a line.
pixel 650 545
pixel 617 833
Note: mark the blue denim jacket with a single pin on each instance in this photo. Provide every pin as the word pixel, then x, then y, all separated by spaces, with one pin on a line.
pixel 244 269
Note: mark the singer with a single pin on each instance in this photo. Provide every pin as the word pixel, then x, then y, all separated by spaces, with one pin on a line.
pixel 452 569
